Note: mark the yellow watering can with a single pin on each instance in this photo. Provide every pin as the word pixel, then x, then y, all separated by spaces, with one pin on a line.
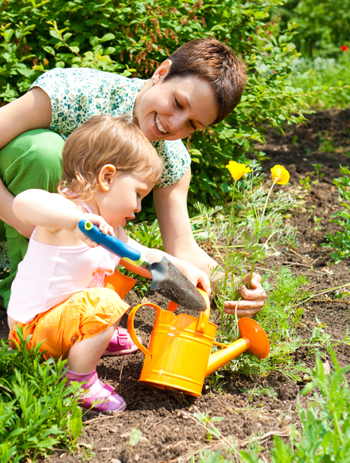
pixel 178 354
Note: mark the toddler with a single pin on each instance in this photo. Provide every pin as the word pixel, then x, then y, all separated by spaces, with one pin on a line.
pixel 67 292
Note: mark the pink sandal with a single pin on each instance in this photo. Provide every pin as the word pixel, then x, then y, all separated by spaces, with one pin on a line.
pixel 121 343
pixel 96 395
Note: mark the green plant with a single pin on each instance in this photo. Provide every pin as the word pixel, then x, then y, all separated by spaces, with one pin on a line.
pixel 318 169
pixel 260 391
pixel 37 410
pixel 322 81
pixel 246 232
pixel 340 242
pixel 249 233
pixel 322 26
pixel 147 234
pixel 325 423
pixel 305 182
pixel 135 437
pixel 317 221
pixel 208 423
pixel 326 145
pixel 215 381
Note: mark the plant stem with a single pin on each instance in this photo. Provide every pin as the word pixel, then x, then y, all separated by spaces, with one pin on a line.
pixel 267 199
pixel 250 276
pixel 322 292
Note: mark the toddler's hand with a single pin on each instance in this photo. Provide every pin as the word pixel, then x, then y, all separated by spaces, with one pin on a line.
pixel 96 220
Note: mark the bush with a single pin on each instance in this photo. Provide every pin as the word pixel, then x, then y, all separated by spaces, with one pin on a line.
pixel 134 37
pixel 37 411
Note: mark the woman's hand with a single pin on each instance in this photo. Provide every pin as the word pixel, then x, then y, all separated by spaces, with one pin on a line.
pixel 253 299
pixel 197 277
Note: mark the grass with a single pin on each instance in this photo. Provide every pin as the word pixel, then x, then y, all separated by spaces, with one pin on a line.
pixel 37 411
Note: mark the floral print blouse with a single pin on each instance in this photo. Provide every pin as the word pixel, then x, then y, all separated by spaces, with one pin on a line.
pixel 77 94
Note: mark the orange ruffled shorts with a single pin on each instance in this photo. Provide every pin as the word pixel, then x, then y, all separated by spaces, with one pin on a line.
pixel 84 315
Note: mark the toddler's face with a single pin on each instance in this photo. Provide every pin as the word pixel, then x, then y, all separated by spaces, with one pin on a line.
pixel 123 199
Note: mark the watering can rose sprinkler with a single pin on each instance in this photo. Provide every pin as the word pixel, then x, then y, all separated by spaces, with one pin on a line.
pixel 178 355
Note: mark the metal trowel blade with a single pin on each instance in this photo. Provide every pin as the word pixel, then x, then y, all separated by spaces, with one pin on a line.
pixel 172 284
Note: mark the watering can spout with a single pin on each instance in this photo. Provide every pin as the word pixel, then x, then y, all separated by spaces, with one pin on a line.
pixel 253 339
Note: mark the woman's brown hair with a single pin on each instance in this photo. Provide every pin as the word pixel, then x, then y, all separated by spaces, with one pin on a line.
pixel 215 63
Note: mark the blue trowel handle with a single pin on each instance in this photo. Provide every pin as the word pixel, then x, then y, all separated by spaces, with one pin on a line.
pixel 112 243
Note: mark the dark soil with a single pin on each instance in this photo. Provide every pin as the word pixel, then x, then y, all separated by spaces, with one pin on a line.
pixel 170 431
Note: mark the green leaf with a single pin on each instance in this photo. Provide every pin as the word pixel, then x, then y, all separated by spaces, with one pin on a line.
pixel 76 423
pixel 94 41
pixel 107 37
pixel 135 436
pixel 55 34
pixel 49 49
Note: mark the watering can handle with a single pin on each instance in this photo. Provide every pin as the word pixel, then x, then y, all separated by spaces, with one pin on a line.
pixel 131 329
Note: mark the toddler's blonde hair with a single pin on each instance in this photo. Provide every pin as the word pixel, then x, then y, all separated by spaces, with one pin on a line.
pixel 106 140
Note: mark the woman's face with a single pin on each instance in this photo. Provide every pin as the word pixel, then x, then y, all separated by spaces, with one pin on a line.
pixel 174 108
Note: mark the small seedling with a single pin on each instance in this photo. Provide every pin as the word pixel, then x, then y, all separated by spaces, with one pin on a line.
pixel 319 174
pixel 305 182
pixel 135 437
pixel 208 423
pixel 317 221
pixel 326 143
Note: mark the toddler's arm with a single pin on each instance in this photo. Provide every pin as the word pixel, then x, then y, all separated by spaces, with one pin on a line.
pixel 195 275
pixel 53 213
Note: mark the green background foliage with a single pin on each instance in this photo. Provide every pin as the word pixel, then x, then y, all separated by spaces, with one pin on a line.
pixel 133 37
pixel 323 26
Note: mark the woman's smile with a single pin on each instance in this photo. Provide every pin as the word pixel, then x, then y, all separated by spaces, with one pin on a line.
pixel 159 125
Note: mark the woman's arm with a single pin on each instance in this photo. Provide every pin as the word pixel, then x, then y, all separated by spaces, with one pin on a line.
pixel 175 227
pixel 196 276
pixel 30 111
pixel 178 240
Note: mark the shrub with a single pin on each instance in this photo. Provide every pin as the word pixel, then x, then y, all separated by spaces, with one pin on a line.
pixel 37 411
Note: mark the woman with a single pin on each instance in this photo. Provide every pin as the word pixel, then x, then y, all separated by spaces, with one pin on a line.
pixel 199 85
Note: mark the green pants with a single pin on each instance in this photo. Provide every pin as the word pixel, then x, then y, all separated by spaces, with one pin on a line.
pixel 32 160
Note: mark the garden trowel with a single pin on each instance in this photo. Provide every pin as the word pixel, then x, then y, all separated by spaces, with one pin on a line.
pixel 166 278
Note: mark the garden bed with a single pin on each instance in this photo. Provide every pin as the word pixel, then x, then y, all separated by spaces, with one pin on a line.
pixel 166 419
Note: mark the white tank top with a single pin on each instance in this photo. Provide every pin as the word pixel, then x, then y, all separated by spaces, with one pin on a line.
pixel 48 275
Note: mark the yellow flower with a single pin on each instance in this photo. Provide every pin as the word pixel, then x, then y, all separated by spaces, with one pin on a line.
pixel 280 175
pixel 237 170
